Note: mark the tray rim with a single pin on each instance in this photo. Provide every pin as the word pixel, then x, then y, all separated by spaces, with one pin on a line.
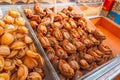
pixel 106 19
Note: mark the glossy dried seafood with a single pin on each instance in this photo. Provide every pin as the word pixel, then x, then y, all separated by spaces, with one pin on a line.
pixel 4 50
pixel 34 76
pixel 82 22
pixel 42 28
pixel 105 49
pixel 98 51
pixel 32 47
pixel 2 23
pixel 74 64
pixel 81 32
pixel 84 64
pixel 18 45
pixel 7 39
pixel 28 12
pixel 28 39
pixel 57 25
pixel 57 17
pixel 37 8
pixel 44 41
pixel 20 21
pixel 63 15
pixel 36 56
pixel 94 54
pixel 79 45
pixel 22 72
pixel 60 52
pixel 21 53
pixel 9 65
pixel 94 40
pixel 65 69
pixel 66 35
pixel 77 75
pixel 72 23
pixel 14 76
pixel 88 58
pixel 10 28
pixel 2 63
pixel 1 31
pixel 23 30
pixel 18 53
pixel 87 42
pixel 4 76
pixel 69 47
pixel 52 41
pixel 74 33
pixel 30 62
pixel 18 62
pixel 99 35
pixel 34 24
pixel 36 18
pixel 50 52
pixel 14 13
pixel 67 25
pixel 40 71
pixel 57 34
pixel 8 19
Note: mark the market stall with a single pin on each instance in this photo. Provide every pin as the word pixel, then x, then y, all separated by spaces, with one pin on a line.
pixel 58 40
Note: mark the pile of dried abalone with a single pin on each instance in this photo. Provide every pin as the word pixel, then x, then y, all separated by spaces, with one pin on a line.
pixel 19 59
pixel 71 46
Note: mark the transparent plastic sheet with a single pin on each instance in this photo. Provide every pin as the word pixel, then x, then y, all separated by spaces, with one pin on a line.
pixel 50 74
pixel 91 9
pixel 59 7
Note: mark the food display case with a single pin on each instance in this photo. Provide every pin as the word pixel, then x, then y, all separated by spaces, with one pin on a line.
pixel 106 43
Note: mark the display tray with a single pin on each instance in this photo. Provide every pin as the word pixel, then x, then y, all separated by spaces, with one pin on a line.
pixel 50 74
pixel 59 7
pixel 111 30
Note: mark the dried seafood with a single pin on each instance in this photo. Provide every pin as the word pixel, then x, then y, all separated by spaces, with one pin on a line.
pixel 18 54
pixel 72 47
